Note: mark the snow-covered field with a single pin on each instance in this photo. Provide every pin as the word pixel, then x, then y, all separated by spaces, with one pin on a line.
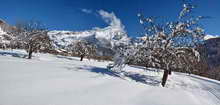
pixel 58 80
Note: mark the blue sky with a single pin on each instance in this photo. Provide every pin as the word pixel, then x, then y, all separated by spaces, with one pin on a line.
pixel 82 14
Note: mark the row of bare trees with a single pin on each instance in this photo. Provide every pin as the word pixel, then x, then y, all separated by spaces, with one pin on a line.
pixel 33 37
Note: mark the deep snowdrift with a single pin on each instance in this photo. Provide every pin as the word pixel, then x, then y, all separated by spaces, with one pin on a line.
pixel 58 80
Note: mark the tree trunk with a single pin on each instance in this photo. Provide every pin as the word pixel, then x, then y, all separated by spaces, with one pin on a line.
pixel 82 56
pixel 170 72
pixel 30 51
pixel 165 76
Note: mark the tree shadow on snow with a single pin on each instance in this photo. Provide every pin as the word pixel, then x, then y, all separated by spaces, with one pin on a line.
pixel 13 54
pixel 98 70
pixel 145 79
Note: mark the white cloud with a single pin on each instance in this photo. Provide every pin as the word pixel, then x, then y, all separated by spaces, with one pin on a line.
pixel 111 19
pixel 86 11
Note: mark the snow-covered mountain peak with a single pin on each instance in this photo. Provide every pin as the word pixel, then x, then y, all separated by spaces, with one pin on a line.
pixel 207 37
pixel 1 31
pixel 106 37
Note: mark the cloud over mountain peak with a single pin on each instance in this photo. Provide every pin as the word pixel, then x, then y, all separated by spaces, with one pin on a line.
pixel 111 19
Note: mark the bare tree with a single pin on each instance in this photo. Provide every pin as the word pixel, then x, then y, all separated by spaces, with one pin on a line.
pixel 32 35
pixel 172 45
pixel 82 48
pixel 167 45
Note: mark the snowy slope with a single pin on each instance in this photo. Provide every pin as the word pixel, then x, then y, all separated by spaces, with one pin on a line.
pixel 59 80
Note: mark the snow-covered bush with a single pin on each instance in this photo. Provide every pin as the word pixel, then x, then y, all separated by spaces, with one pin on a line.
pixel 124 54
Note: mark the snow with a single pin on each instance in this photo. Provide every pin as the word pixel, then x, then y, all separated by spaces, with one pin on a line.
pixel 1 31
pixel 103 35
pixel 2 39
pixel 60 80
pixel 210 37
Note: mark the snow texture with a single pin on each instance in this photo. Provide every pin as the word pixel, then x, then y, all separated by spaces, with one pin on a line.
pixel 60 80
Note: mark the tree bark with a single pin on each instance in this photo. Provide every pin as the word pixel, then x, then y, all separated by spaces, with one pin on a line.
pixel 165 76
pixel 170 72
pixel 82 56
pixel 30 51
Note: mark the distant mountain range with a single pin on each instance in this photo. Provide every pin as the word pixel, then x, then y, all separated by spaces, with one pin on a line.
pixel 104 38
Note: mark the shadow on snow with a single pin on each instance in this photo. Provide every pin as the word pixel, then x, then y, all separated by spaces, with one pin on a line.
pixel 145 79
pixel 13 54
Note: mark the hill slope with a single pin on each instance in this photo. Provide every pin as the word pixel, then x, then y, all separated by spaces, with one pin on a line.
pixel 59 80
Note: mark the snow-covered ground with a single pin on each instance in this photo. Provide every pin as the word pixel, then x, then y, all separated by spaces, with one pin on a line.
pixel 58 80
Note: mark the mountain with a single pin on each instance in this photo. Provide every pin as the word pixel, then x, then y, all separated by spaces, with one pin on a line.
pixel 207 37
pixel 5 38
pixel 212 48
pixel 6 27
pixel 104 38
